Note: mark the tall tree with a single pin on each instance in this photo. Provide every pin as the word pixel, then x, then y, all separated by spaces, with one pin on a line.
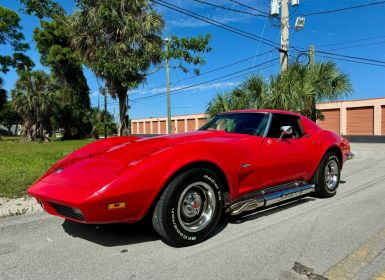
pixel 121 39
pixel 35 102
pixel 3 94
pixel 9 116
pixel 11 35
pixel 70 85
pixel 43 8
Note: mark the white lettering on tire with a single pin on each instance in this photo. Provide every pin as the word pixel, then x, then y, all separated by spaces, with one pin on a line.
pixel 184 236
pixel 215 185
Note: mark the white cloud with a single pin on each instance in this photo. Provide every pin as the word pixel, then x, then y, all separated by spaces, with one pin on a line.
pixel 219 85
pixel 175 19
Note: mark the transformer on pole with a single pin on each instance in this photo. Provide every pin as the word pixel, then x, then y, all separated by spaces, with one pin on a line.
pixel 281 8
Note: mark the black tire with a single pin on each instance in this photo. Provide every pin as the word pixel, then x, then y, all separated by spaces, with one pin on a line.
pixel 178 213
pixel 327 178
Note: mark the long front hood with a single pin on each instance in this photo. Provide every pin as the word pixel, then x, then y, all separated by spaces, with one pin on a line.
pixel 98 164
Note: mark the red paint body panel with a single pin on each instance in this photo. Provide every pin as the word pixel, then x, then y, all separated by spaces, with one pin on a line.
pixel 135 170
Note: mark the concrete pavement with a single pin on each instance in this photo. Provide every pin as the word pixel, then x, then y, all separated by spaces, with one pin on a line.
pixel 341 238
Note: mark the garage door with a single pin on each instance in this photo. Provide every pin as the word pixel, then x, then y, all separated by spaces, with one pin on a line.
pixel 148 127
pixel 163 129
pixel 141 128
pixel 202 121
pixel 134 128
pixel 383 120
pixel 331 121
pixel 180 126
pixel 360 121
pixel 190 124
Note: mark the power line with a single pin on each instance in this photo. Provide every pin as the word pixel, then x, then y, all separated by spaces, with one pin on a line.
pixel 211 71
pixel 352 57
pixel 266 64
pixel 356 46
pixel 249 7
pixel 216 23
pixel 349 60
pixel 345 9
pixel 228 9
pixel 209 81
pixel 349 42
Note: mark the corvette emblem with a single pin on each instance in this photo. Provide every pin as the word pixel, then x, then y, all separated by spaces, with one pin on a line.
pixel 59 170
pixel 245 165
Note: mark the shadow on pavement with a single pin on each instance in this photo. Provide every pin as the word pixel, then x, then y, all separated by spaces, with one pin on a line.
pixel 267 211
pixel 110 235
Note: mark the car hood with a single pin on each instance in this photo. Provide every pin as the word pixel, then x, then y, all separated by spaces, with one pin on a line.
pixel 98 166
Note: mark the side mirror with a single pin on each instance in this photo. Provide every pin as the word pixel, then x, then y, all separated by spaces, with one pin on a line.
pixel 286 130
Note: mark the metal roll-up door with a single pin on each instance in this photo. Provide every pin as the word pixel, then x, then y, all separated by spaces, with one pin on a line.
pixel 190 124
pixel 180 126
pixel 383 120
pixel 360 121
pixel 331 120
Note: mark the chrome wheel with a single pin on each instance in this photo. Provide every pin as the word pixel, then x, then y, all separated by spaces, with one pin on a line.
pixel 331 174
pixel 196 206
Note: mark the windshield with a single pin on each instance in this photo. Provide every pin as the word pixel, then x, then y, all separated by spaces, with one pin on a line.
pixel 243 123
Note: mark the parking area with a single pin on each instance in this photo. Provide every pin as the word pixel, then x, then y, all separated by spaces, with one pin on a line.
pixel 338 238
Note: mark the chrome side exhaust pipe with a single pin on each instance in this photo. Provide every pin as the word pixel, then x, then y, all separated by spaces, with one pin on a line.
pixel 269 199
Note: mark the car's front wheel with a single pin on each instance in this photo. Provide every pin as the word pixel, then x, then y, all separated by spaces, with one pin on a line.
pixel 328 175
pixel 189 208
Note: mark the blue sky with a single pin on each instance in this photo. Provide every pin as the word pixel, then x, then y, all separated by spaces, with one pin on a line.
pixel 357 32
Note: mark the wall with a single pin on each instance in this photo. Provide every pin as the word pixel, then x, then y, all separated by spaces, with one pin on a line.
pixel 353 117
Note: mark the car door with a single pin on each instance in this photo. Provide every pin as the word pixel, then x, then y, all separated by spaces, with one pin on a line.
pixel 285 159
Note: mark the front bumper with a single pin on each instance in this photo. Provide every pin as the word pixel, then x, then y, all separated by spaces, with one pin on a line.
pixel 350 156
pixel 81 206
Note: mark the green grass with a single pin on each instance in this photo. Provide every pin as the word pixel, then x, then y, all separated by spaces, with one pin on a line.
pixel 22 163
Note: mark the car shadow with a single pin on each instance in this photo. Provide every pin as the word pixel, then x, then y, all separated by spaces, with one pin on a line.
pixel 110 235
pixel 267 211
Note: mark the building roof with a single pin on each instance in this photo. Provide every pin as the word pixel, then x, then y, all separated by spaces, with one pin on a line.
pixel 263 111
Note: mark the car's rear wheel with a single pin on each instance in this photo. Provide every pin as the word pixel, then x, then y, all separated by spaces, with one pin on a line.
pixel 328 175
pixel 189 208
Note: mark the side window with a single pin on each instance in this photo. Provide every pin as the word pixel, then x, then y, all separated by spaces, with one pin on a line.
pixel 280 120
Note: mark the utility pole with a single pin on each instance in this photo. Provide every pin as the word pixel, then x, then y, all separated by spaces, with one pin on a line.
pixel 275 5
pixel 104 92
pixel 311 54
pixel 169 127
pixel 284 56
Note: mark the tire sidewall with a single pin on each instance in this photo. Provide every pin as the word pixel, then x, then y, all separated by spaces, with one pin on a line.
pixel 176 188
pixel 322 182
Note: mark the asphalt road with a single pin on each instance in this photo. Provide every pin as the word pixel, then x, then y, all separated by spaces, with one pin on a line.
pixel 340 238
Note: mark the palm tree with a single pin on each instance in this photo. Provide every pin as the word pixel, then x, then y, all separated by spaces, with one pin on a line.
pixel 34 102
pixel 119 40
pixel 297 89
pixel 300 87
pixel 247 95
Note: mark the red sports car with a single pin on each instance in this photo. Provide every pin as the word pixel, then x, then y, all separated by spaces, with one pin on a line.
pixel 238 161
